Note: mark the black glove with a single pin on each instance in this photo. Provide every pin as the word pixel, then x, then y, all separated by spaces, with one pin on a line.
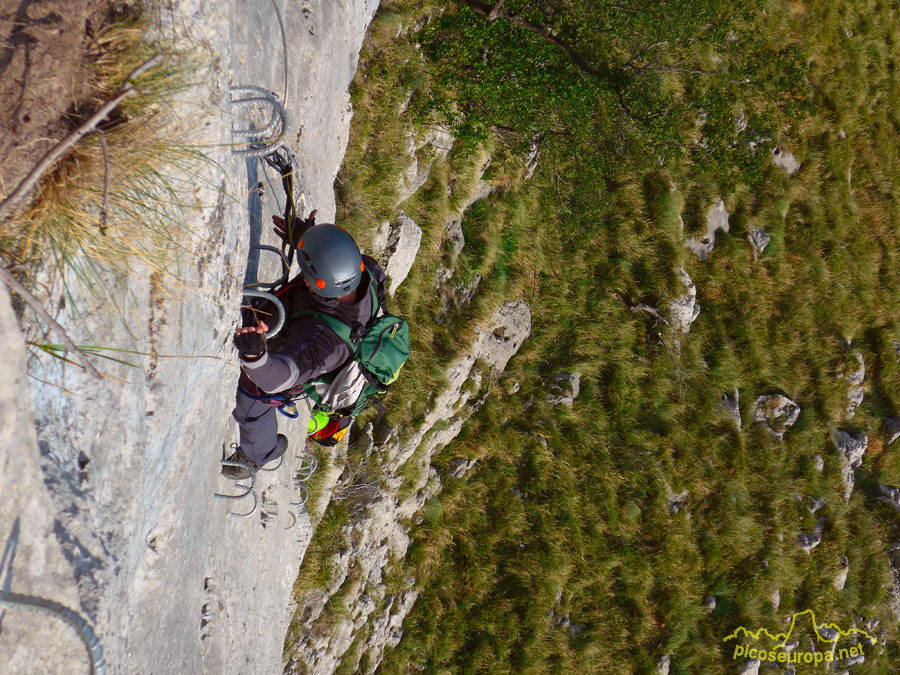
pixel 250 346
pixel 292 236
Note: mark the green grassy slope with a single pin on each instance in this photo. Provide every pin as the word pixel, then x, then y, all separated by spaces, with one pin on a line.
pixel 567 513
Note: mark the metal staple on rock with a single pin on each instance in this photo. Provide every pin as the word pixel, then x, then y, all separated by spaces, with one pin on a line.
pixel 248 490
pixel 73 618
pixel 260 141
pixel 279 323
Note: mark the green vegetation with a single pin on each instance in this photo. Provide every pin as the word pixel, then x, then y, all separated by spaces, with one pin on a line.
pixel 116 199
pixel 567 513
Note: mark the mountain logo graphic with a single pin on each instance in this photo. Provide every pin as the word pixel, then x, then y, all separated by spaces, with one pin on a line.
pixel 781 652
pixel 829 629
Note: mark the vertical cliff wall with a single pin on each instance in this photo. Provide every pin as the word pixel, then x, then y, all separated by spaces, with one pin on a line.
pixel 106 491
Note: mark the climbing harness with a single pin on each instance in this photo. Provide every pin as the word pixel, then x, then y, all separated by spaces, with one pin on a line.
pixel 71 617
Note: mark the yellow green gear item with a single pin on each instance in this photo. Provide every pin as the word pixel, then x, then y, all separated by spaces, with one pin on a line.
pixel 316 423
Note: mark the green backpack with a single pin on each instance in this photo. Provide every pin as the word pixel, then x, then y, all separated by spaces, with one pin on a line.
pixel 378 356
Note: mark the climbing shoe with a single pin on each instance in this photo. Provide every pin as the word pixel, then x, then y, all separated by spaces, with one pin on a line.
pixel 241 472
pixel 238 472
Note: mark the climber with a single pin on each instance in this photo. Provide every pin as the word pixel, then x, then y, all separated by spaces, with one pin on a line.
pixel 335 280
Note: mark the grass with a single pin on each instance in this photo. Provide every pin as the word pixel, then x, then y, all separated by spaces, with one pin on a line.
pixel 116 201
pixel 580 526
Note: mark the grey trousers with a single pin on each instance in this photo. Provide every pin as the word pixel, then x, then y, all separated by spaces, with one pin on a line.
pixel 258 424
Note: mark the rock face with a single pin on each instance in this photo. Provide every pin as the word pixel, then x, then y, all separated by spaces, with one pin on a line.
pixel 377 531
pixel 716 221
pixel 401 250
pixel 750 667
pixel 564 389
pixel 776 412
pixel 423 149
pixel 840 579
pixel 662 666
pixel 889 495
pixel 852 447
pixel 855 393
pixel 109 495
pixel 732 404
pixel 808 542
pixel 758 239
pixel 892 428
pixel 785 161
pixel 684 310
pixel 678 502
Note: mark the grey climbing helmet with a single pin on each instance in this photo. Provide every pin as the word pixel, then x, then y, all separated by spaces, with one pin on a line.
pixel 330 260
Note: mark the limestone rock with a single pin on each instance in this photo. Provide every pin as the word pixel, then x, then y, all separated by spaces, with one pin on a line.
pixel 855 396
pixel 808 542
pixel 775 599
pixel 732 405
pixel 750 667
pixel 716 221
pixel 662 666
pixel 840 579
pixel 758 239
pixel 848 479
pixel 434 143
pixel 378 249
pixel 858 376
pixel 678 502
pixel 816 504
pixel 531 161
pixel 709 603
pixel 460 466
pixel 684 310
pixel 564 389
pixel 776 412
pixel 889 495
pixel 892 427
pixel 402 248
pixel 818 463
pixel 785 161
pixel 465 293
pixel 852 446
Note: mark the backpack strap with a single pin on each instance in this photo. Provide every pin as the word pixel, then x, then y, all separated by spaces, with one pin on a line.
pixel 341 329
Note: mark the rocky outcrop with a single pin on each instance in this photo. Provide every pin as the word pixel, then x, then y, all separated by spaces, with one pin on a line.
pixel 423 148
pixel 889 495
pixel 662 666
pixel 892 429
pixel 716 221
pixel 785 161
pixel 758 239
pixel 677 502
pixel 564 389
pixel 776 412
pixel 684 310
pixel 109 495
pixel 370 615
pixel 400 249
pixel 732 403
pixel 840 579
pixel 855 393
pixel 750 667
pixel 460 466
pixel 808 542
pixel 852 447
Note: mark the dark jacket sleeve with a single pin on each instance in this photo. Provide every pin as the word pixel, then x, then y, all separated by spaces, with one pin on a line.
pixel 317 351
